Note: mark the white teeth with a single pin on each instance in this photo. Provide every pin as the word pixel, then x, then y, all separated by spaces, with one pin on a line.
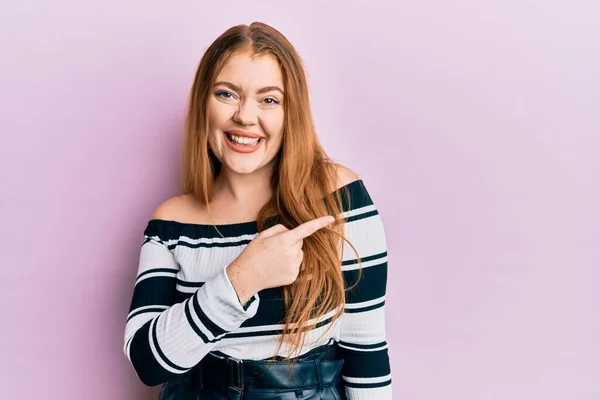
pixel 243 140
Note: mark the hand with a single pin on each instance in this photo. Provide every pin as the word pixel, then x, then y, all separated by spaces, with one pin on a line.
pixel 272 258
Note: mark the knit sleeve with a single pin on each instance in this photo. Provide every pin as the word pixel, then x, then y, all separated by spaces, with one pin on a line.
pixel 164 339
pixel 366 372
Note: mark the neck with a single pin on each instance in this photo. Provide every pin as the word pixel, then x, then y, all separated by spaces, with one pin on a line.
pixel 250 190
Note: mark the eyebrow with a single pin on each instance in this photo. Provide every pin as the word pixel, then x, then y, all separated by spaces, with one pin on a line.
pixel 259 91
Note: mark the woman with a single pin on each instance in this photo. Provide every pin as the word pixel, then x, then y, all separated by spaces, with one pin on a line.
pixel 266 278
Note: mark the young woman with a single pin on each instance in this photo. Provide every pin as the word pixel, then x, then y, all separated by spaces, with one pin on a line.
pixel 266 278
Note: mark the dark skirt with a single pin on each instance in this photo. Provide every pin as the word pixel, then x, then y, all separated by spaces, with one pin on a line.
pixel 315 375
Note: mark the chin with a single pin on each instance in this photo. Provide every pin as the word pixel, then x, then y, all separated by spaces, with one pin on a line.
pixel 243 168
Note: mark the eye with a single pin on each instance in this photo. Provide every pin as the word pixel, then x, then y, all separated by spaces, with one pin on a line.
pixel 224 94
pixel 271 101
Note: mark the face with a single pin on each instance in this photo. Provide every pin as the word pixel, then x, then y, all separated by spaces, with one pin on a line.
pixel 245 113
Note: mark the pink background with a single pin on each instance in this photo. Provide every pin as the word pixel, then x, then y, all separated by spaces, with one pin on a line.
pixel 476 128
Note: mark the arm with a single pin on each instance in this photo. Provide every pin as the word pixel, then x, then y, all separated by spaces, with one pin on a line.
pixel 164 340
pixel 366 372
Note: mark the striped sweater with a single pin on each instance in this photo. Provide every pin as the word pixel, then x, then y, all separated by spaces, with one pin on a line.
pixel 184 305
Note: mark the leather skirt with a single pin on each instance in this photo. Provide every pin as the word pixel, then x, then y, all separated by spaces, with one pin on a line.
pixel 315 375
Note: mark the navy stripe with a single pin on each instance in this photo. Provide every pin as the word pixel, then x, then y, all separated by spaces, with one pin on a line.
pixel 173 230
pixel 209 245
pixel 146 310
pixel 271 332
pixel 270 312
pixel 364 259
pixel 364 309
pixel 148 369
pixel 359 196
pixel 368 385
pixel 180 297
pixel 365 364
pixel 153 238
pixel 372 284
pixel 155 270
pixel 161 354
pixel 193 324
pixel 253 334
pixel 362 216
pixel 215 329
pixel 363 346
pixel 190 284
pixel 248 303
pixel 270 309
pixel 154 291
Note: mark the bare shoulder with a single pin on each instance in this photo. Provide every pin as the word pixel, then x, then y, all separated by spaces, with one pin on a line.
pixel 345 176
pixel 177 208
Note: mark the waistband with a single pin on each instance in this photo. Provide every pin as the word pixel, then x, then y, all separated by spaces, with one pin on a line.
pixel 319 368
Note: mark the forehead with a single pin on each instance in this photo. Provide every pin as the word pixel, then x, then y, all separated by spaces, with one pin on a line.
pixel 252 71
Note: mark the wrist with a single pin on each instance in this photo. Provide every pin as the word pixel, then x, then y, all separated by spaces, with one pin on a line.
pixel 243 281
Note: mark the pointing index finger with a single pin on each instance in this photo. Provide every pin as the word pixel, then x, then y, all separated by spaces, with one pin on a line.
pixel 308 228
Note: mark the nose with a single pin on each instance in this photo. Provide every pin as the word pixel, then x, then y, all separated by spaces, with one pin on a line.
pixel 246 114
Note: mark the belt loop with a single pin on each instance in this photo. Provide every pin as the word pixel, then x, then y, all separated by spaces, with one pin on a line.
pixel 237 374
pixel 319 373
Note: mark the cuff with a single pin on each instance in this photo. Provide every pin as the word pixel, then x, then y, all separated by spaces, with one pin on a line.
pixel 250 300
pixel 222 303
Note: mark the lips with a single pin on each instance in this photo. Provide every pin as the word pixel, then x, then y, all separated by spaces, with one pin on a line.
pixel 245 134
pixel 244 148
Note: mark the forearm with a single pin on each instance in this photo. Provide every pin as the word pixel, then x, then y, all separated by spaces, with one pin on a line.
pixel 177 339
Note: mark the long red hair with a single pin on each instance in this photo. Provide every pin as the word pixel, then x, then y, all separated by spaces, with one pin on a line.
pixel 304 181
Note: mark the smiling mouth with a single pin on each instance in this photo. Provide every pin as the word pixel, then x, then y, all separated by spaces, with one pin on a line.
pixel 243 140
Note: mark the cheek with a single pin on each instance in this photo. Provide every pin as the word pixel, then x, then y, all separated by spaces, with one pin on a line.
pixel 274 125
pixel 218 114
pixel 217 117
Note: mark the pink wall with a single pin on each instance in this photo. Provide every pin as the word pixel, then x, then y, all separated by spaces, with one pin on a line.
pixel 476 128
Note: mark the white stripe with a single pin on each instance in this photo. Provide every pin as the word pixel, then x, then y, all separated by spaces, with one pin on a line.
pixel 378 379
pixel 145 308
pixel 200 325
pixel 157 357
pixel 186 289
pixel 128 347
pixel 260 328
pixel 364 350
pixel 352 306
pixel 358 211
pixel 364 264
pixel 229 239
pixel 366 235
pixel 156 274
pixel 266 328
pixel 265 346
pixel 203 264
pixel 379 393
pixel 364 328
pixel 155 255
